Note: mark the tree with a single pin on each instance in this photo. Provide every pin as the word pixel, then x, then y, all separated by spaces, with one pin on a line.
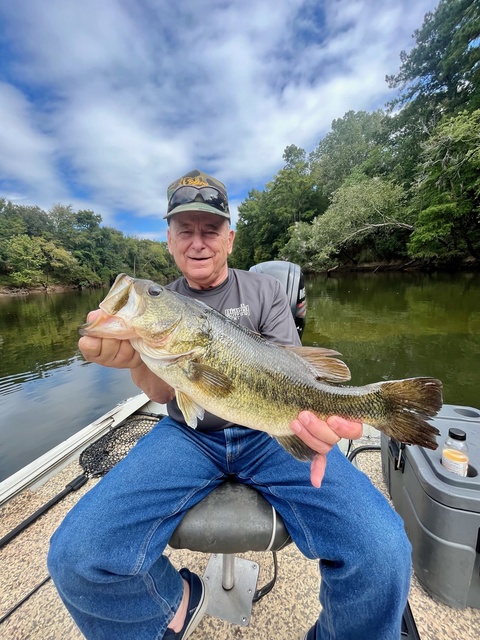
pixel 353 141
pixel 63 221
pixel 265 217
pixel 256 231
pixel 150 259
pixel 10 223
pixel 440 76
pixel 447 193
pixel 292 193
pixel 59 265
pixel 362 210
pixel 67 246
pixel 25 260
pixel 443 69
pixel 19 219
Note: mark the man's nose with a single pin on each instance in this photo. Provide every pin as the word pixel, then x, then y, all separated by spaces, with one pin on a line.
pixel 197 241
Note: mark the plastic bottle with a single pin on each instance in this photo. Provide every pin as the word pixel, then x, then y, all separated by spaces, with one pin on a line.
pixel 455 452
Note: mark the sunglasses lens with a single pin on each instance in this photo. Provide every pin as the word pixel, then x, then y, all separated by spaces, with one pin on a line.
pixel 187 195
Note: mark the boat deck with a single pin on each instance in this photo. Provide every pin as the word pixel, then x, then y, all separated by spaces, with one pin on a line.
pixel 285 613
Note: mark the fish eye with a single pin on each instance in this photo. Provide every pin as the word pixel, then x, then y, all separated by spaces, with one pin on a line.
pixel 154 290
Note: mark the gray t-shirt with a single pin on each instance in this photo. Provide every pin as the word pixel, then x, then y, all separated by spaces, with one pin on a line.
pixel 255 300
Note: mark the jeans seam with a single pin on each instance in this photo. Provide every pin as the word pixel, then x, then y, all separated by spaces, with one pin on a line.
pixel 150 584
pixel 148 537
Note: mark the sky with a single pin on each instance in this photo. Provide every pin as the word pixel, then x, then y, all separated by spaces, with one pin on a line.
pixel 103 104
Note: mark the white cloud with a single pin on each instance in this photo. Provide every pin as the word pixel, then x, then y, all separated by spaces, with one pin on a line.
pixel 27 154
pixel 103 104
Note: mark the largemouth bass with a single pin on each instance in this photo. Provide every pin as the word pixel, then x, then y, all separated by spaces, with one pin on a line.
pixel 219 366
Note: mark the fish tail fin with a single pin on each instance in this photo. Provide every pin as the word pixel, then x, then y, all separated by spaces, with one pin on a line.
pixel 296 447
pixel 409 404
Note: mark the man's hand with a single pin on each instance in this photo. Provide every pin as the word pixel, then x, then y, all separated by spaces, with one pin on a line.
pixel 322 436
pixel 108 352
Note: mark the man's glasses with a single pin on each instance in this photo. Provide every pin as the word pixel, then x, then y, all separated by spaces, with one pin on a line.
pixel 188 195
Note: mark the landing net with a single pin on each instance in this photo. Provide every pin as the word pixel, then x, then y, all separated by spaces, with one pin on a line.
pixel 104 453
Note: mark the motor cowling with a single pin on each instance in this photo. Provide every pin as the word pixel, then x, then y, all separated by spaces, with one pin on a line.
pixel 291 277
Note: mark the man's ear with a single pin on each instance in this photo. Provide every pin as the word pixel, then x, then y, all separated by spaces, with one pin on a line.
pixel 231 238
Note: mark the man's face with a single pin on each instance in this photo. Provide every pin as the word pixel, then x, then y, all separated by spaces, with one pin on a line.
pixel 200 244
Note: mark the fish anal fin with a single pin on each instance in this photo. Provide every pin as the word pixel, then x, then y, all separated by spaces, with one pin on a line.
pixel 211 381
pixel 325 367
pixel 192 412
pixel 296 447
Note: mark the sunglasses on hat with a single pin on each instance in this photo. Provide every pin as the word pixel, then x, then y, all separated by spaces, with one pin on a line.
pixel 188 195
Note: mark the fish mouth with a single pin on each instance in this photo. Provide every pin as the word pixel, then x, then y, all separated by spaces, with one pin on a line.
pixel 105 326
pixel 116 309
pixel 118 296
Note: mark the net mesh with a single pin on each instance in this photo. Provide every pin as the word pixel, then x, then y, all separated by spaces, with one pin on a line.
pixel 103 455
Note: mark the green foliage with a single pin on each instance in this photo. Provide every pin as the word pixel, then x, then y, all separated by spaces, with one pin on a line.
pixel 353 143
pixel 447 192
pixel 265 217
pixel 18 219
pixel 26 260
pixel 256 231
pixel 149 259
pixel 440 76
pixel 361 209
pixel 444 66
pixel 68 247
pixel 433 236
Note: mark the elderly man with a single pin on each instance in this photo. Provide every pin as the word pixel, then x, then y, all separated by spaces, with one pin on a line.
pixel 106 558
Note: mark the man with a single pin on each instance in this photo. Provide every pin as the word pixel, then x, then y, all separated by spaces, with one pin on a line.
pixel 106 558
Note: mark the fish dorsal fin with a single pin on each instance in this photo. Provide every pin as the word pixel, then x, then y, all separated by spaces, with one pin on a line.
pixel 324 366
pixel 209 380
pixel 192 412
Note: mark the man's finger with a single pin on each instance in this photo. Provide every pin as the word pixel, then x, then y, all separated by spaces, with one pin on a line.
pixel 345 428
pixel 90 347
pixel 316 433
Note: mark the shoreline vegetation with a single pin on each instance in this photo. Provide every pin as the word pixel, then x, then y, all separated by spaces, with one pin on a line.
pixel 367 267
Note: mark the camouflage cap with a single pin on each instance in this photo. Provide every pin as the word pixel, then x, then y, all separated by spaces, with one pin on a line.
pixel 197 179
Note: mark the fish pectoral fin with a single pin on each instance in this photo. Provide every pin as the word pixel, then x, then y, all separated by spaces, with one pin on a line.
pixel 324 366
pixel 209 380
pixel 296 447
pixel 192 412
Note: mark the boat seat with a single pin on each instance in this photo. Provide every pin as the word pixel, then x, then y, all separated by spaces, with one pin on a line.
pixel 234 518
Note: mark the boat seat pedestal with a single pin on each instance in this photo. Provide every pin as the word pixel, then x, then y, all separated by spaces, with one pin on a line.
pixel 234 518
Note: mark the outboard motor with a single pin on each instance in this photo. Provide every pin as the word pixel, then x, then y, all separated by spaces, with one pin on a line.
pixel 291 277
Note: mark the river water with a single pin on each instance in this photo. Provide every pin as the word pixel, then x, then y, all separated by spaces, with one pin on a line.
pixel 386 325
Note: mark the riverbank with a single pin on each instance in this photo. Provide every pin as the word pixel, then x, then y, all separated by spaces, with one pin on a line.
pixel 26 291
pixel 469 264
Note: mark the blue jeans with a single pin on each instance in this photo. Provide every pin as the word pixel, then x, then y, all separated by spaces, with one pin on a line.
pixel 106 557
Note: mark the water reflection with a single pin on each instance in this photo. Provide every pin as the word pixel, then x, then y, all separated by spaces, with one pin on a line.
pixel 391 326
pixel 47 391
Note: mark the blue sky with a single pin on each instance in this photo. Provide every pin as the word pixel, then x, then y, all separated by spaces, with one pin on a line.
pixel 102 104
